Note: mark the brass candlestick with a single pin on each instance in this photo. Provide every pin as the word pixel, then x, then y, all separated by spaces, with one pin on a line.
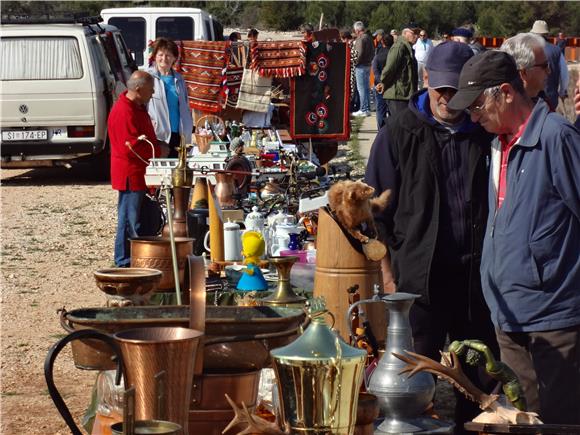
pixel 284 294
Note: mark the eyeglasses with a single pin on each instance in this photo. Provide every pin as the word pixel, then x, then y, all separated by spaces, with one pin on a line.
pixel 422 36
pixel 545 66
pixel 477 108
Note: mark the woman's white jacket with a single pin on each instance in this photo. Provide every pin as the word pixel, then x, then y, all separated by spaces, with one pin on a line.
pixel 159 112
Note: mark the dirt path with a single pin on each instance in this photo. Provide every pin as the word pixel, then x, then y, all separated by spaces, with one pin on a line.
pixel 55 232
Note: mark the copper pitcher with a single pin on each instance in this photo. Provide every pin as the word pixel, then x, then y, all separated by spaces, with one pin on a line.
pixel 148 351
pixel 225 189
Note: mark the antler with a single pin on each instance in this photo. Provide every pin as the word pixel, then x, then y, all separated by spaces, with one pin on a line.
pixel 255 424
pixel 453 374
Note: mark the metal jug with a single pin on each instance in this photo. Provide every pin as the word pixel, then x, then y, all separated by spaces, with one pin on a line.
pixel 402 399
pixel 82 334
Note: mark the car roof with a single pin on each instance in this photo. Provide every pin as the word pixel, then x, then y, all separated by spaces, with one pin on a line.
pixel 148 10
pixel 56 29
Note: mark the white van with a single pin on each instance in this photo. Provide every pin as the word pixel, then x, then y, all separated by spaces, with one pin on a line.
pixel 57 86
pixel 141 25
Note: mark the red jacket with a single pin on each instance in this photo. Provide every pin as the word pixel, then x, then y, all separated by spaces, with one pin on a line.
pixel 127 121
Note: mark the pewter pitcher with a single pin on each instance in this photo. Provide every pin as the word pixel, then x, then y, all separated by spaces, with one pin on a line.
pixel 401 399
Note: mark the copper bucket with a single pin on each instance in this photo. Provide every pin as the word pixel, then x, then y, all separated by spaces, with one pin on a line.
pixel 148 351
pixel 155 253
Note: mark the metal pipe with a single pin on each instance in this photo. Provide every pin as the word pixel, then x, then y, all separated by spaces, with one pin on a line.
pixel 172 241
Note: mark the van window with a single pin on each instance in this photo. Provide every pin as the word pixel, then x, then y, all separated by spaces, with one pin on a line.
pixel 207 26
pixel 175 28
pixel 47 58
pixel 133 30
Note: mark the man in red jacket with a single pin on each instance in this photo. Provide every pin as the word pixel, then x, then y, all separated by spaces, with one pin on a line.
pixel 128 121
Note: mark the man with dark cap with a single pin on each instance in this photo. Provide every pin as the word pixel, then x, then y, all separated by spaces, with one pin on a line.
pixel 435 162
pixel 530 266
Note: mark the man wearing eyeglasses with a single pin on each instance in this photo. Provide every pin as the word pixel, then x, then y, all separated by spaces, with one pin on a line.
pixel 422 47
pixel 527 49
pixel 530 266
pixel 434 160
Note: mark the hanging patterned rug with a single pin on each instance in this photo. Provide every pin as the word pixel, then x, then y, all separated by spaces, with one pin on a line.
pixel 204 70
pixel 233 82
pixel 279 58
pixel 320 98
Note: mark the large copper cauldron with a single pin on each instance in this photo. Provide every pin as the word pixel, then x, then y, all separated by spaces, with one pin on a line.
pixel 237 338
pixel 155 253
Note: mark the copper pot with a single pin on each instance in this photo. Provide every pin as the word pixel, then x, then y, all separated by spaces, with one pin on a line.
pixel 149 351
pixel 225 189
pixel 155 253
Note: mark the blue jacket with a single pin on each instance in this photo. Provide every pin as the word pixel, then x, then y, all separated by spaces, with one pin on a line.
pixel 530 267
pixel 159 112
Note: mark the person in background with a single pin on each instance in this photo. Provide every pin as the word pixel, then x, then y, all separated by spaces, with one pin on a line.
pixel 465 36
pixel 128 120
pixel 395 34
pixel 363 44
pixel 307 31
pixel 558 79
pixel 445 36
pixel 235 36
pixel 530 267
pixel 169 107
pixel 399 76
pixel 346 37
pixel 434 160
pixel 527 49
pixel 383 42
pixel 253 35
pixel 561 43
pixel 422 48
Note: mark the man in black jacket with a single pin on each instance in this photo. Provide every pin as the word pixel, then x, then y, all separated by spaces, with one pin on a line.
pixel 436 160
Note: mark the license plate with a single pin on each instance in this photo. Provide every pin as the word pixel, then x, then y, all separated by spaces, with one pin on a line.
pixel 25 135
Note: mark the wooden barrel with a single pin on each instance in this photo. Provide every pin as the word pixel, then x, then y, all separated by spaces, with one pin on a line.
pixel 339 266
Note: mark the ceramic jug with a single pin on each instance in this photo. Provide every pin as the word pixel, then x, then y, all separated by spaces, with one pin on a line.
pixel 255 221
pixel 232 242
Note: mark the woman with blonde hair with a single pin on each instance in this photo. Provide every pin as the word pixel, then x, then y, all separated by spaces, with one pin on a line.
pixel 169 107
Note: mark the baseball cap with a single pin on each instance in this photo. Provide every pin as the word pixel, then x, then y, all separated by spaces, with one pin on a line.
pixel 482 71
pixel 540 27
pixel 444 64
pixel 379 32
pixel 462 31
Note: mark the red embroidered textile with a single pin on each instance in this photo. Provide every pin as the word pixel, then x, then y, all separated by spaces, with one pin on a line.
pixel 204 70
pixel 278 58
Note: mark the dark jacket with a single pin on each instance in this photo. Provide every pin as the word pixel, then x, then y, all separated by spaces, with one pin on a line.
pixel 365 49
pixel 399 75
pixel 553 54
pixel 379 62
pixel 405 157
pixel 531 256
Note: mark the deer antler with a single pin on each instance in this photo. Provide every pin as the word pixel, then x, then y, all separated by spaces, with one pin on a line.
pixel 453 374
pixel 255 424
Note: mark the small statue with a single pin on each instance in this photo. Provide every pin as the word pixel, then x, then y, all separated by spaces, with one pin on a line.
pixel 478 353
pixel 253 248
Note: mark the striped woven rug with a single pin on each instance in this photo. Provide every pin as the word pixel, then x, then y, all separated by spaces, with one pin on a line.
pixel 204 69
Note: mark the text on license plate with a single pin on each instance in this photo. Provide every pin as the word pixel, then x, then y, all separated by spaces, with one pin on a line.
pixel 25 135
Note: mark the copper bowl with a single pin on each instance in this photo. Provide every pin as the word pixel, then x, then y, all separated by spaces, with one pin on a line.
pixel 127 281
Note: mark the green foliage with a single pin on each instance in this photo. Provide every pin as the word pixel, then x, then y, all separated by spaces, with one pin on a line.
pixel 490 18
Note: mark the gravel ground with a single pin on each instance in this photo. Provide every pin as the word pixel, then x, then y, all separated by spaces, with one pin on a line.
pixel 56 229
